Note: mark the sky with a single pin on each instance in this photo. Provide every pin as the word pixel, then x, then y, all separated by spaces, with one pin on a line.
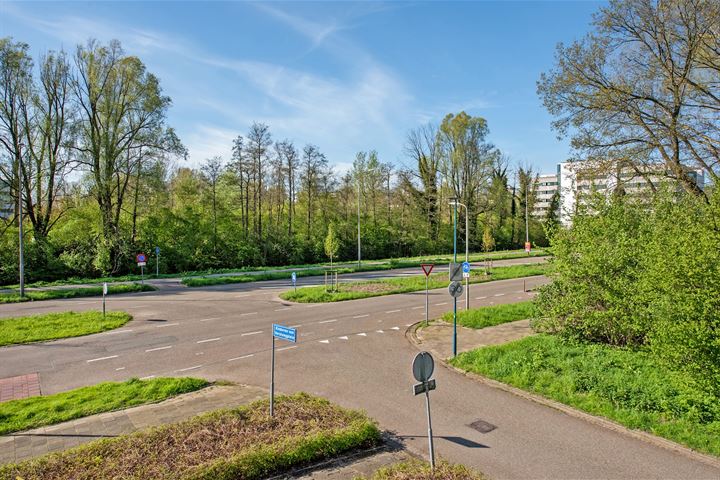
pixel 345 76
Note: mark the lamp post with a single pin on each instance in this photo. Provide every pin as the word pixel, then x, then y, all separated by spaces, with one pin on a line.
pixel 21 257
pixel 527 230
pixel 358 217
pixel 454 201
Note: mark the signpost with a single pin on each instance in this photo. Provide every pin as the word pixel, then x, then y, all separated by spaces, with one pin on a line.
pixel 455 289
pixel 427 268
pixel 157 262
pixel 283 333
pixel 293 277
pixel 527 247
pixel 456 272
pixel 466 276
pixel 141 261
pixel 423 367
pixel 104 295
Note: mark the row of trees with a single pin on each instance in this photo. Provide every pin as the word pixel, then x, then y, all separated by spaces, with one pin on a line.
pixel 103 177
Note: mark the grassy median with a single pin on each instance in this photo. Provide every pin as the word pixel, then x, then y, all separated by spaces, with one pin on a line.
pixel 34 412
pixel 391 286
pixel 489 316
pixel 56 293
pixel 629 387
pixel 52 326
pixel 417 470
pixel 226 444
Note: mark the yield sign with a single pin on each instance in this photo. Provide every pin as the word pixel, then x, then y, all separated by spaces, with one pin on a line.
pixel 427 268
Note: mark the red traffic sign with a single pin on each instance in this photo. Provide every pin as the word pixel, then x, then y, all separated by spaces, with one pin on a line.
pixel 141 258
pixel 527 247
pixel 427 268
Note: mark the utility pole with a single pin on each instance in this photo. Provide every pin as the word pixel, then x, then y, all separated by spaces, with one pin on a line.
pixel 454 343
pixel 21 258
pixel 358 216
pixel 527 230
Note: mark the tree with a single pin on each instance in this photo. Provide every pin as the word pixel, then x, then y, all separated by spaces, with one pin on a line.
pixel 643 89
pixel 332 243
pixel 551 222
pixel 212 169
pixel 421 147
pixel 313 166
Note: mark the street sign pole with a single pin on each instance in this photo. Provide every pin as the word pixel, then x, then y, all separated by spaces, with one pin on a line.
pixel 283 333
pixel 142 275
pixel 430 435
pixel 423 367
pixel 454 340
pixel 104 294
pixel 272 378
pixel 426 300
pixel 157 262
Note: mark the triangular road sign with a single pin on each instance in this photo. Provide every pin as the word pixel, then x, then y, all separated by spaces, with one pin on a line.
pixel 427 268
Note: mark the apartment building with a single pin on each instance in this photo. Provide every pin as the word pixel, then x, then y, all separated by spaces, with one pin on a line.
pixel 546 187
pixel 7 209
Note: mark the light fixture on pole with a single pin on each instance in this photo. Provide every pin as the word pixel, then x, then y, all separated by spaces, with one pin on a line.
pixel 21 256
pixel 357 179
pixel 453 201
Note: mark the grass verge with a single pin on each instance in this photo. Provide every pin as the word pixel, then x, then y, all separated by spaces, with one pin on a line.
pixel 31 295
pixel 417 470
pixel 34 412
pixel 226 444
pixel 391 286
pixel 52 326
pixel 629 387
pixel 493 315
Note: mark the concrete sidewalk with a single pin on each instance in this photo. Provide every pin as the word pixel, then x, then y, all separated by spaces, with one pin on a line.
pixel 19 446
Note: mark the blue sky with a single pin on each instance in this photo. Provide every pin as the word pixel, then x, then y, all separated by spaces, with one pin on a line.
pixel 345 76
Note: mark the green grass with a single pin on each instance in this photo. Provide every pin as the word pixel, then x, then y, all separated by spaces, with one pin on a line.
pixel 34 412
pixel 52 326
pixel 493 315
pixel 391 286
pixel 629 387
pixel 418 470
pixel 31 295
pixel 240 443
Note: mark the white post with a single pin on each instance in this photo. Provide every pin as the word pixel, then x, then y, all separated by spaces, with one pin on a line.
pixel 430 435
pixel 272 378
pixel 21 255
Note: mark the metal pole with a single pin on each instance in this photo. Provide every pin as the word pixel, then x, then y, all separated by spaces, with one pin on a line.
pixel 104 287
pixel 142 275
pixel 454 342
pixel 21 256
pixel 358 218
pixel 527 231
pixel 157 263
pixel 426 299
pixel 272 379
pixel 430 435
pixel 467 280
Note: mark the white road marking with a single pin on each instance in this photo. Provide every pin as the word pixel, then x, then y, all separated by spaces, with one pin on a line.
pixel 240 358
pixel 101 358
pixel 118 369
pixel 82 303
pixel 315 305
pixel 324 341
pixel 209 340
pixel 249 313
pixel 362 334
pixel 295 326
pixel 362 316
pixel 396 328
pixel 417 308
pixel 329 321
pixel 148 377
pixel 285 348
pixel 379 331
pixel 199 353
pixel 274 288
pixel 343 338
pixel 167 325
pixel 158 348
pixel 392 311
pixel 408 324
pixel 119 331
pixel 480 298
pixel 498 294
pixel 189 368
pixel 440 304
pixel 250 333
pixel 209 319
pixel 282 309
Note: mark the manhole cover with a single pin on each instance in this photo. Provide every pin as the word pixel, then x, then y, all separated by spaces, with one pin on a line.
pixel 482 426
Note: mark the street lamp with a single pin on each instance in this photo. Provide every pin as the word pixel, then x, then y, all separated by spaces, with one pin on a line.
pixel 358 216
pixel 453 201
pixel 21 257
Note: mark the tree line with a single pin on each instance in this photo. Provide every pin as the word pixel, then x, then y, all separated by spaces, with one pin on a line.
pixel 84 140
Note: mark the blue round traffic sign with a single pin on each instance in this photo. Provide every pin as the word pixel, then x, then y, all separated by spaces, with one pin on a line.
pixel 141 257
pixel 466 267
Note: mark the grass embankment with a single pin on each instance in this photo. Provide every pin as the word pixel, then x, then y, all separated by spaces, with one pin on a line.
pixel 374 288
pixel 54 294
pixel 34 412
pixel 492 315
pixel 417 470
pixel 226 444
pixel 629 387
pixel 52 326
pixel 368 267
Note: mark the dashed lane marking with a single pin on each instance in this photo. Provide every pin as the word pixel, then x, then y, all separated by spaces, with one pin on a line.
pixel 480 298
pixel 343 338
pixel 167 325
pixel 440 304
pixel 324 341
pixel 209 340
pixel 128 330
pixel 148 377
pixel 315 305
pixel 102 358
pixel 296 326
pixel 498 294
pixel 249 313
pixel 417 308
pixel 362 334
pixel 209 319
pixel 158 348
pixel 362 316
pixel 189 368
pixel 395 328
pixel 250 333
pixel 285 348
pixel 392 311
pixel 379 331
pixel 118 369
pixel 282 309
pixel 329 321
pixel 240 358
pixel 199 353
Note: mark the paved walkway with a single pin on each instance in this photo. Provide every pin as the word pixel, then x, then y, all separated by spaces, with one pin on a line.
pixel 22 386
pixel 20 446
pixel 437 337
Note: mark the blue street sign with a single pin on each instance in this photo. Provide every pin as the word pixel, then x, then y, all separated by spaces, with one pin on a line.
pixel 466 267
pixel 294 277
pixel 284 333
pixel 157 250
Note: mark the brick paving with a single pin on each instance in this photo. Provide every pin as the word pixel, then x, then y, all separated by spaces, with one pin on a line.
pixel 22 386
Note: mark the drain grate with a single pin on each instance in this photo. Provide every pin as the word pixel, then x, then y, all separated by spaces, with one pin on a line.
pixel 482 426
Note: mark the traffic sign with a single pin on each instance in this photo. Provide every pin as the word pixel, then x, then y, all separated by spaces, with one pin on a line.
pixel 141 258
pixel 466 269
pixel 293 276
pixel 455 289
pixel 424 387
pixel 527 247
pixel 157 250
pixel 427 268
pixel 423 366
pixel 105 288
pixel 455 272
pixel 284 333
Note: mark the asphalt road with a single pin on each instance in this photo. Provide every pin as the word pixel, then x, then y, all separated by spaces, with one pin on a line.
pixel 354 353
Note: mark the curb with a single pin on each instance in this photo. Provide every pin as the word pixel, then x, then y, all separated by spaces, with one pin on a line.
pixel 646 437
